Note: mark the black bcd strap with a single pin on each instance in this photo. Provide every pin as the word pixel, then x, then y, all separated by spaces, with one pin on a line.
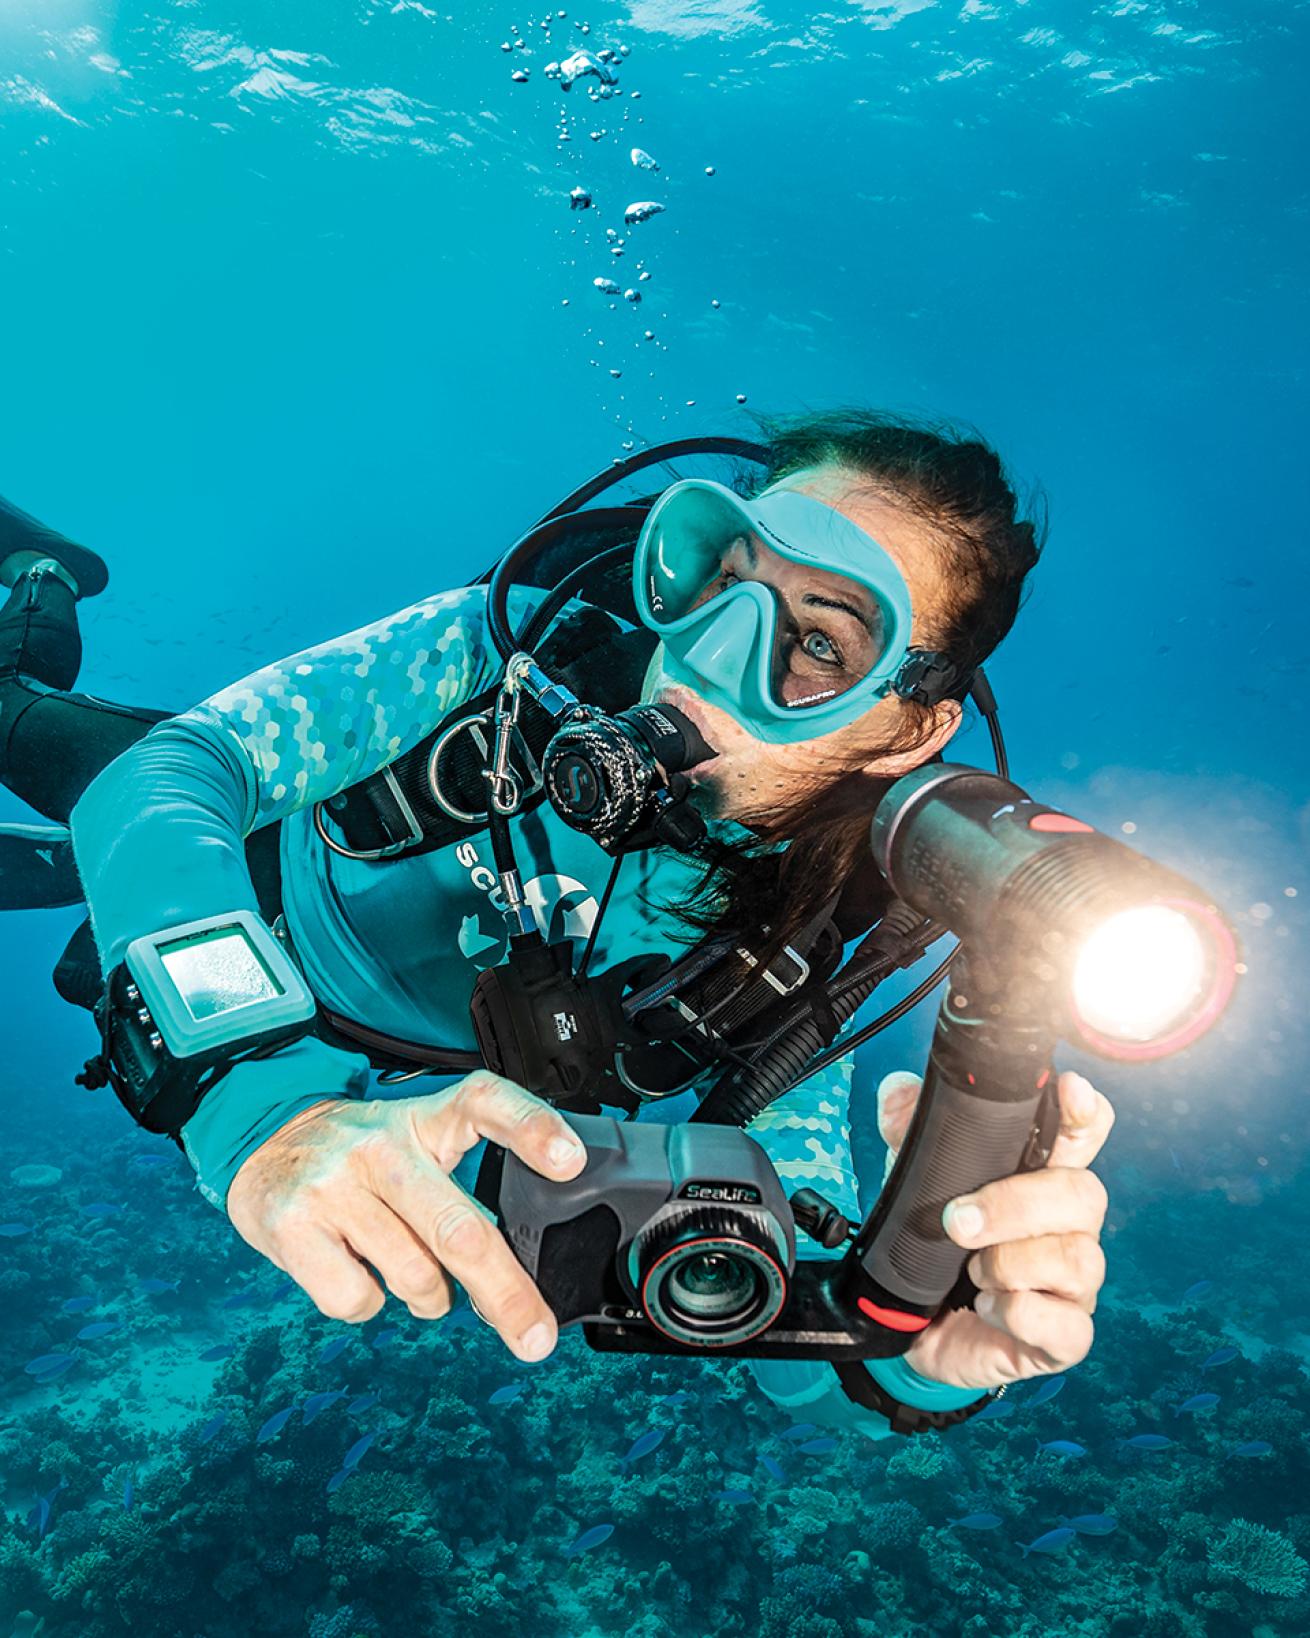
pixel 436 792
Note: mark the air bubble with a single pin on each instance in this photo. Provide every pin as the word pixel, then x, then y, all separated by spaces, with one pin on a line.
pixel 642 210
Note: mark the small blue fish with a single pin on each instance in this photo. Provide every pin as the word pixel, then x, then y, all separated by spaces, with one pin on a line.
pixel 996 1410
pixel 1252 1447
pixel 1052 1542
pixel 733 1496
pixel 1198 1402
pixel 800 1430
pixel 773 1468
pixel 101 1208
pixel 506 1395
pixel 97 1328
pixel 975 1521
pixel 128 1493
pixel 46 1366
pixel 817 1447
pixel 365 1401
pixel 355 1455
pixel 1202 1288
pixel 386 1336
pixel 213 1427
pixel 333 1350
pixel 274 1425
pixel 338 1479
pixel 1220 1356
pixel 1064 1447
pixel 1148 1441
pixel 241 1299
pixel 156 1288
pixel 1092 1524
pixel 145 1161
pixel 283 1290
pixel 1046 1391
pixel 317 1403
pixel 40 1515
pixel 15 1231
pixel 589 1539
pixel 681 1397
pixel 220 1350
pixel 78 1305
pixel 643 1444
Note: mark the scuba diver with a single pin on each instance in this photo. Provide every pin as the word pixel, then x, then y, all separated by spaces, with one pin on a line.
pixel 382 844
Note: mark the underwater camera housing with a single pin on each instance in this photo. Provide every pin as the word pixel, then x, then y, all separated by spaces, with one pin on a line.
pixel 680 1238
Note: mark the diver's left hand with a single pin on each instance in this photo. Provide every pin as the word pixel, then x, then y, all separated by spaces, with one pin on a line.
pixel 1037 1258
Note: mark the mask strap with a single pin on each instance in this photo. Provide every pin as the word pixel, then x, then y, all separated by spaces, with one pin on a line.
pixel 926 677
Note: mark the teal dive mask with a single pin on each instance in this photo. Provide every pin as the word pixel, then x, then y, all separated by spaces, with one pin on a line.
pixel 791 650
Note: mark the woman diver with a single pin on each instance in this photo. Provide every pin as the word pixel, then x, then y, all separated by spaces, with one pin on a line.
pixel 787 611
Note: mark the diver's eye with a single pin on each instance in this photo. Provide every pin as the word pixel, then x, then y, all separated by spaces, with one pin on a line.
pixel 819 646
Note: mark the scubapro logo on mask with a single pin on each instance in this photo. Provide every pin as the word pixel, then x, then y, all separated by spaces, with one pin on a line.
pixel 562 907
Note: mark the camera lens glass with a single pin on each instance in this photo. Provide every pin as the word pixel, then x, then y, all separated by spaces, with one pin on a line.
pixel 712 1289
pixel 715 1284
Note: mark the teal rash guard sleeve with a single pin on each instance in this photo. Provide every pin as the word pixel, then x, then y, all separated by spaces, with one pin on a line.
pixel 159 834
pixel 806 1135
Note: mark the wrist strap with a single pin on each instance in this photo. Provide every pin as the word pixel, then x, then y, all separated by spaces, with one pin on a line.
pixel 859 1386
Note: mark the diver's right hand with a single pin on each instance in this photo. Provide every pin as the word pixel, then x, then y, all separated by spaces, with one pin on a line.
pixel 345 1188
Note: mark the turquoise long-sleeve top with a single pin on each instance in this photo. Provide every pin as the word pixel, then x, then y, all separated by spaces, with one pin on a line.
pixel 397 944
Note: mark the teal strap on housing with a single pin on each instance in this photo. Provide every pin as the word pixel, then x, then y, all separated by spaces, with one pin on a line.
pixel 903 1382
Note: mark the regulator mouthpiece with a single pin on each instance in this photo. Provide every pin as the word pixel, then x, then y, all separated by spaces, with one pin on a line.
pixel 620 778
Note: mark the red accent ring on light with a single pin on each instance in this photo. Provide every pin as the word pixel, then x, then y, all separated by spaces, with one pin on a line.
pixel 893 1318
pixel 1056 822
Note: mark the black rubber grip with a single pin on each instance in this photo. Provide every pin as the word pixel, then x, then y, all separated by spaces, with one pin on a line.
pixel 959 1141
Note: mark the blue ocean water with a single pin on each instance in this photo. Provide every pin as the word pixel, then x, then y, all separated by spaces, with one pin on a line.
pixel 298 327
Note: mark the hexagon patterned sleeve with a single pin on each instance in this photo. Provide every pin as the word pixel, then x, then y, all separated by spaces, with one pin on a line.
pixel 158 834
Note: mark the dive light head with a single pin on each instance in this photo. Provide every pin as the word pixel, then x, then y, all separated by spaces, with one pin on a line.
pixel 1138 961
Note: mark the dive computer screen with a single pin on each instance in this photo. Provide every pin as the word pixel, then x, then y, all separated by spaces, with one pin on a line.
pixel 217 972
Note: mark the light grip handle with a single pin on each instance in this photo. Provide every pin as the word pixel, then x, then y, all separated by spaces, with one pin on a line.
pixel 957 1142
pixel 986 1111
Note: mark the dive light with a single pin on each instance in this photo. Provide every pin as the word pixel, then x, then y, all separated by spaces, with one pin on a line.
pixel 1065 934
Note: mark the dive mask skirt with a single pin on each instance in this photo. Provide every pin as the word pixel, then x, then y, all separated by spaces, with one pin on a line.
pixel 787 668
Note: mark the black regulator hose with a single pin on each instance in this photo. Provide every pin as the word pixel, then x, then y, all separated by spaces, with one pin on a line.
pixel 742 1094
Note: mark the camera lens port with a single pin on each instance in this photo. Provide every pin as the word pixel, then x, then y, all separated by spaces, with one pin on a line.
pixel 710 1276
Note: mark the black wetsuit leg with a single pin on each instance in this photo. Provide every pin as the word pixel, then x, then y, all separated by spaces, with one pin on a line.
pixel 53 742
